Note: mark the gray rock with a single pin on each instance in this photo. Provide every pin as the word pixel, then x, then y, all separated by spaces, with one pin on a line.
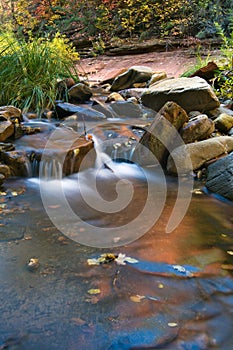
pixel 220 177
pixel 190 93
pixel 65 109
pixel 199 128
pixel 199 152
pixel 135 74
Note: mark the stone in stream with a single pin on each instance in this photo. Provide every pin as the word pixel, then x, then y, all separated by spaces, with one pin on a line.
pixel 199 152
pixel 190 93
pixel 6 130
pixel 65 109
pixel 220 176
pixel 135 74
pixel 224 122
pixel 79 93
pixel 198 128
pixel 162 136
pixel 10 112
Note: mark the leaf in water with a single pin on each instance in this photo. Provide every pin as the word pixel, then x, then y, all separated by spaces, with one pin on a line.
pixel 230 252
pixel 172 324
pixel 3 193
pixel 55 206
pixel 122 259
pixel 93 262
pixel 137 298
pixel 14 193
pixel 94 291
pixel 160 286
pixel 78 321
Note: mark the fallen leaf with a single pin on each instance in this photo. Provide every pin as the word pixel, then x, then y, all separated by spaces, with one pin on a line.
pixel 137 298
pixel 94 291
pixel 78 321
pixel 172 324
pixel 122 259
pixel 54 206
pixel 230 252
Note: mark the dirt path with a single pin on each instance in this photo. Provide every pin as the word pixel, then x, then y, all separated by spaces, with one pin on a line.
pixel 100 68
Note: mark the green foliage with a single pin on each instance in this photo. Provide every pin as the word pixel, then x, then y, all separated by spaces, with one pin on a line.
pixel 30 70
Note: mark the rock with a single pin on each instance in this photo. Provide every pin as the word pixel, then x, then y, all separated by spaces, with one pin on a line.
pixel 79 93
pixel 217 111
pixel 220 177
pixel 133 92
pixel 5 170
pixel 114 96
pixel 124 109
pixel 199 152
pixel 135 74
pixel 6 130
pixel 6 146
pixel 65 109
pixel 207 72
pixel 2 179
pixel 157 76
pixel 199 128
pixel 10 112
pixel 224 122
pixel 17 162
pixel 190 93
pixel 162 135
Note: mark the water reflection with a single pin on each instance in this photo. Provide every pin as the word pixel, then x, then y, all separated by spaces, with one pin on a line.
pixel 178 296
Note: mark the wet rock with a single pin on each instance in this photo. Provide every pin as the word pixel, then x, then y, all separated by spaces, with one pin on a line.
pixel 162 136
pixel 6 146
pixel 199 128
pixel 79 93
pixel 33 264
pixel 10 112
pixel 199 152
pixel 17 162
pixel 224 122
pixel 65 109
pixel 2 179
pixel 190 93
pixel 135 74
pixel 134 92
pixel 220 177
pixel 5 170
pixel 6 130
pixel 114 96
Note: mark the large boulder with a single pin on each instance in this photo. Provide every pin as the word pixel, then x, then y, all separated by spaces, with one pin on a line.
pixel 220 177
pixel 199 153
pixel 135 74
pixel 162 136
pixel 190 93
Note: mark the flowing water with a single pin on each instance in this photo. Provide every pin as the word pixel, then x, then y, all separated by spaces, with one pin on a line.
pixel 178 295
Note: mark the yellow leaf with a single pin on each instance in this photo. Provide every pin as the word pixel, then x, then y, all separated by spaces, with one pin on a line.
pixel 94 291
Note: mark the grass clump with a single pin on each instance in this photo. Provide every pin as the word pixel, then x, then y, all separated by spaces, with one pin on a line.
pixel 30 70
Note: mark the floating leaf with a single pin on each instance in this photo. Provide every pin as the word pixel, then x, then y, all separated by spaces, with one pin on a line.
pixel 14 193
pixel 94 291
pixel 137 298
pixel 122 259
pixel 172 324
pixel 230 252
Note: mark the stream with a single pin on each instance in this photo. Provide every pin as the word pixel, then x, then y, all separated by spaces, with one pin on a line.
pixel 175 290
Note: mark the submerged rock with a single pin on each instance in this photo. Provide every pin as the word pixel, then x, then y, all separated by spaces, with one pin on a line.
pixel 190 93
pixel 220 177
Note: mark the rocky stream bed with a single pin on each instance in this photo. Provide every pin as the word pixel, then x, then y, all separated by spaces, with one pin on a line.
pixel 116 216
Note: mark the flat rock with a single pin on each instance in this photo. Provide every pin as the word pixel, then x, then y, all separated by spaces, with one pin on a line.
pixel 65 109
pixel 190 93
pixel 199 152
pixel 220 177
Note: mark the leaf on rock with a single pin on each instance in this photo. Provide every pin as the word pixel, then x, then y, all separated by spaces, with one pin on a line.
pixel 94 291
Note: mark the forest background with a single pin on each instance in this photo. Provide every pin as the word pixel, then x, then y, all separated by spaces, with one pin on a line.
pixel 114 19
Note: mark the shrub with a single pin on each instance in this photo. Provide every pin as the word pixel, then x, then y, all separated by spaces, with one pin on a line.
pixel 30 70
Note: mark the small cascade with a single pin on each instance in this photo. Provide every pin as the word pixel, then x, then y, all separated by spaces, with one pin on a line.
pixel 50 169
